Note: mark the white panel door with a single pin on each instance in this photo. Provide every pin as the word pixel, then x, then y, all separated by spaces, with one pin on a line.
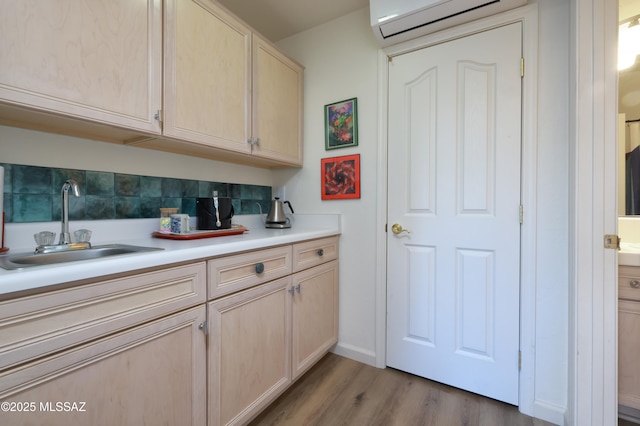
pixel 454 184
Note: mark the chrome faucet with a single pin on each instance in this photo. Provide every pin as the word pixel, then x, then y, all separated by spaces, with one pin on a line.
pixel 65 237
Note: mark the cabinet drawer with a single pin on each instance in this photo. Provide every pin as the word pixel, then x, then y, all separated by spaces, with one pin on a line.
pixel 312 253
pixel 629 283
pixel 37 325
pixel 233 273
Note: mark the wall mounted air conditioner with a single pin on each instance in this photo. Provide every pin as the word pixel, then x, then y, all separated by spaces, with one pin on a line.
pixel 394 21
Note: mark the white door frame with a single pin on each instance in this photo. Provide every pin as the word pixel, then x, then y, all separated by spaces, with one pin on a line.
pixel 593 314
pixel 528 15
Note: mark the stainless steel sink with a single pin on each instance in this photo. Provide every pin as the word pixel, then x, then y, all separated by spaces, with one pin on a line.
pixel 25 260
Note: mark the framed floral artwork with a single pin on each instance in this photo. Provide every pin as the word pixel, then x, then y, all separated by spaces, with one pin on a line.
pixel 340 177
pixel 341 124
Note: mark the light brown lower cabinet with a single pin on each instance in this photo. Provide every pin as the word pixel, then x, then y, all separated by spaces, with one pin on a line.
pixel 628 341
pixel 314 322
pixel 149 349
pixel 152 374
pixel 249 351
pixel 628 347
pixel 264 338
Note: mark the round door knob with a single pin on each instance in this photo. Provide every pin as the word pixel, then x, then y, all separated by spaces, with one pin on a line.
pixel 634 283
pixel 320 252
pixel 398 229
pixel 259 268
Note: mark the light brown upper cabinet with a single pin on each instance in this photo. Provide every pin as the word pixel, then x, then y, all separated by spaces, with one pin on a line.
pixel 83 59
pixel 226 87
pixel 277 104
pixel 183 76
pixel 207 82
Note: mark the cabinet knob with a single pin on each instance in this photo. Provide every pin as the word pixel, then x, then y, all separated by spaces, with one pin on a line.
pixel 634 283
pixel 203 326
pixel 259 268
pixel 320 252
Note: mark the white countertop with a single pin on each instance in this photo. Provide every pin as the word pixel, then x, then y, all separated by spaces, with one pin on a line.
pixel 629 254
pixel 19 238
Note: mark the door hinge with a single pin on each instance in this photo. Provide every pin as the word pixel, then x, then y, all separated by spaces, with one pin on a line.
pixel 521 67
pixel 611 241
pixel 385 227
pixel 519 360
pixel 389 59
pixel 521 214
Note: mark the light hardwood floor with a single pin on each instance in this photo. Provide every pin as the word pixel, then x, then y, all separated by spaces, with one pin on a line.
pixel 340 391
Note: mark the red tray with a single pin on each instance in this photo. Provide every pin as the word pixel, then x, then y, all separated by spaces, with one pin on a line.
pixel 194 235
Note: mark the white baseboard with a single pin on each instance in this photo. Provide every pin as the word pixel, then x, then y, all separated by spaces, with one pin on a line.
pixel 549 412
pixel 355 353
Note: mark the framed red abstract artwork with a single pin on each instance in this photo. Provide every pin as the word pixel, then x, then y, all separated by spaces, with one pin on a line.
pixel 340 177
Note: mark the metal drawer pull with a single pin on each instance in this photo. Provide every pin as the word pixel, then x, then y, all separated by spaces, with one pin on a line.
pixel 634 283
pixel 320 252
pixel 259 268
pixel 203 326
pixel 292 290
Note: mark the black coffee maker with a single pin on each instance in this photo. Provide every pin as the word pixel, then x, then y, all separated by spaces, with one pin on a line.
pixel 214 213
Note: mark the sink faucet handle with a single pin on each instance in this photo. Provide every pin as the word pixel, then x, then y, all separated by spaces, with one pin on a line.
pixel 82 235
pixel 44 238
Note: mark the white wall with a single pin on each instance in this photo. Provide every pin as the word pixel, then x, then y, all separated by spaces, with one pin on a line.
pixel 28 147
pixel 340 62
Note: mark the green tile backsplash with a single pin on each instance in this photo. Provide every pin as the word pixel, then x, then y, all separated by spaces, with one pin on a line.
pixel 32 194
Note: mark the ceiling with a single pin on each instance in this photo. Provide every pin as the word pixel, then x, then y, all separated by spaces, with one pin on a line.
pixel 279 19
pixel 628 8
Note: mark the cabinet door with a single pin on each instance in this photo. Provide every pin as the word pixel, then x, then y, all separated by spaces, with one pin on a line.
pixel 249 351
pixel 277 105
pixel 315 315
pixel 153 374
pixel 86 59
pixel 207 75
pixel 628 349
